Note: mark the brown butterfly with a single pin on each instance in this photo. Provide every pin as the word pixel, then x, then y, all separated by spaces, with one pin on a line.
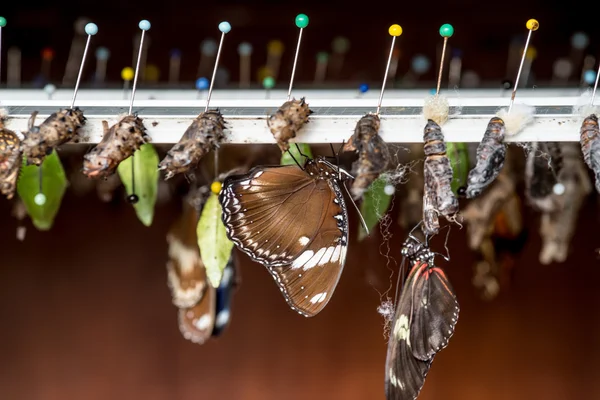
pixel 294 221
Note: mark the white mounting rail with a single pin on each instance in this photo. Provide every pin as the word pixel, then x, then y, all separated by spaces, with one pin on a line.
pixel 333 120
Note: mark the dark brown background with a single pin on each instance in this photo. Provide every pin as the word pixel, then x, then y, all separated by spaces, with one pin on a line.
pixel 86 314
pixel 483 31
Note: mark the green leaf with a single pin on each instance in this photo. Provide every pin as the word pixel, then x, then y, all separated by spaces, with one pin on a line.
pixel 146 181
pixel 215 247
pixel 374 205
pixel 286 158
pixel 459 160
pixel 54 185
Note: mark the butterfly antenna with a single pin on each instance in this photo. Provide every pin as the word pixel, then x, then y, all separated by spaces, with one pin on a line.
pixel 362 220
pixel 300 151
pixel 296 161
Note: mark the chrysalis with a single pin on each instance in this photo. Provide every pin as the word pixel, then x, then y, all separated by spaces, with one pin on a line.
pixel 118 143
pixel 11 155
pixel 373 156
pixel 590 146
pixel 203 135
pixel 58 128
pixel 491 153
pixel 541 173
pixel 438 177
pixel 558 226
pixel 287 121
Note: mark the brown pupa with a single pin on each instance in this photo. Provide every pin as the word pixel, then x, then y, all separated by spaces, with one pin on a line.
pixel 203 135
pixel 373 156
pixel 119 142
pixel 11 156
pixel 59 128
pixel 287 121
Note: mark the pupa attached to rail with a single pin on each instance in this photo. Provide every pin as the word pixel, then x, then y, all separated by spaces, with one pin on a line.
pixel 293 114
pixel 60 127
pixel 11 157
pixel 510 121
pixel 202 136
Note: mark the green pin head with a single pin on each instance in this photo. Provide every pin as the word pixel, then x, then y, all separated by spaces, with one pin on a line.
pixel 301 21
pixel 268 82
pixel 2 22
pixel 446 30
pixel 322 56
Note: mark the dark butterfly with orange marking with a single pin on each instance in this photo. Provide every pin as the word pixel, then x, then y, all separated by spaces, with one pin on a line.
pixel 424 321
pixel 294 221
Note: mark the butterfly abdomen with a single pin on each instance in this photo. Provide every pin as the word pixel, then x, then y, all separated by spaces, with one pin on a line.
pixel 59 128
pixel 203 135
pixel 287 121
pixel 372 154
pixel 119 142
pixel 491 153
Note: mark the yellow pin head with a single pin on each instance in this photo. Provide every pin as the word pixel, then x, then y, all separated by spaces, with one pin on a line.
pixel 275 47
pixel 532 24
pixel 395 30
pixel 531 53
pixel 127 73
pixel 215 187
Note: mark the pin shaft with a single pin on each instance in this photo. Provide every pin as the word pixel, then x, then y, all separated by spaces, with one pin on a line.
pixel 514 92
pixel 214 74
pixel 595 86
pixel 85 50
pixel 387 70
pixel 289 95
pixel 137 69
pixel 439 81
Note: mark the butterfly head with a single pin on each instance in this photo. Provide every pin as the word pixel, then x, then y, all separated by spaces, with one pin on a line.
pixel 320 168
pixel 416 250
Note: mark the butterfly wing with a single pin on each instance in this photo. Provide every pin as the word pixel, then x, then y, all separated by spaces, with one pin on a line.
pixel 224 293
pixel 404 374
pixel 185 269
pixel 434 312
pixel 197 323
pixel 293 224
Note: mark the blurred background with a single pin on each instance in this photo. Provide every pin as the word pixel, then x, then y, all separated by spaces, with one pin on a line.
pixel 85 309
pixel 483 36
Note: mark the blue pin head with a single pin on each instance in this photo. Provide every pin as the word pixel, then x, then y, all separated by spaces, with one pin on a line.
pixel 420 64
pixel 175 53
pixel 102 53
pixel 202 83
pixel 457 53
pixel 91 29
pixel 432 91
pixel 144 25
pixel 363 88
pixel 589 77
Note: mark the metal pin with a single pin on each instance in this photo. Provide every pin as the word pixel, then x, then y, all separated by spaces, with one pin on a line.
pixel 395 31
pixel 91 29
pixel 224 27
pixel 532 25
pixel 301 22
pixel 595 86
pixel 446 31
pixel 2 25
pixel 144 25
